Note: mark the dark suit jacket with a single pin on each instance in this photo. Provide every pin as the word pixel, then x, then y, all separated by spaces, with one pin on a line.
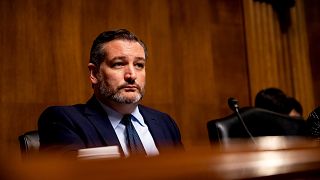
pixel 313 124
pixel 68 128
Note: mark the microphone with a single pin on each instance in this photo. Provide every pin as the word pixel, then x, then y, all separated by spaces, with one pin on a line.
pixel 234 106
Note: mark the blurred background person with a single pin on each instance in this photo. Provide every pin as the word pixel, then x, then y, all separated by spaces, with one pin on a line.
pixel 295 106
pixel 274 99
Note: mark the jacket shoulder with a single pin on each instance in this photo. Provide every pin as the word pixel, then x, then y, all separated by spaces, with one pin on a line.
pixel 149 110
pixel 77 107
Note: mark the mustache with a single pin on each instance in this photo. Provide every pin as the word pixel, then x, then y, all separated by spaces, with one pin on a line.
pixel 130 85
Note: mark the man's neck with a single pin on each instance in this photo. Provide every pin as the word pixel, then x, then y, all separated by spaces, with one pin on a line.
pixel 120 107
pixel 123 108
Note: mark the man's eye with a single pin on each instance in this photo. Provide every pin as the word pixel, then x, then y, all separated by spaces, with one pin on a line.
pixel 140 65
pixel 118 64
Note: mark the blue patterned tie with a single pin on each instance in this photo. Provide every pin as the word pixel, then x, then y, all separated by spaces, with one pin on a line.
pixel 133 141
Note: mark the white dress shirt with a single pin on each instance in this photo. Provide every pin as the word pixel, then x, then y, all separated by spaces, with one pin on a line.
pixel 140 126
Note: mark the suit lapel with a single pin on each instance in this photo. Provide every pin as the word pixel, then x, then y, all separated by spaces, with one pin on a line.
pixel 153 124
pixel 99 118
pixel 100 121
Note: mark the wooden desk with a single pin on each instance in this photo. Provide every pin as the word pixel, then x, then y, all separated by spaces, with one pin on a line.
pixel 271 158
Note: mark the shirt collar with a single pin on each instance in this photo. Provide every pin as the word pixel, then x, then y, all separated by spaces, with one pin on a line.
pixel 115 117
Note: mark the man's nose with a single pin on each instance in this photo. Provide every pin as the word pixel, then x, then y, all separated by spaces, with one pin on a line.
pixel 130 73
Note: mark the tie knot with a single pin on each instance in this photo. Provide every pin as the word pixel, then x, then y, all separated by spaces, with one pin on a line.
pixel 126 119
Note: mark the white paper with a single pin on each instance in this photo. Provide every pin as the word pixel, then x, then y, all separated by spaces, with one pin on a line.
pixel 99 152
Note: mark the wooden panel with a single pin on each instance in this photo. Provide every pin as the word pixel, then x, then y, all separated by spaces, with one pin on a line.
pixel 41 64
pixel 278 58
pixel 300 63
pixel 312 10
pixel 197 57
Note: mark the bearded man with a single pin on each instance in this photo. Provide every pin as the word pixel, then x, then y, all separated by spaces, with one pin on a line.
pixel 113 115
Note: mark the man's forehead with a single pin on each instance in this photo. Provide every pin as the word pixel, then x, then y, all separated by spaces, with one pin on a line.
pixel 124 47
pixel 122 43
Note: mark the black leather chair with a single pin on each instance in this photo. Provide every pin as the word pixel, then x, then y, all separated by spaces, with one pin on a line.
pixel 29 142
pixel 259 122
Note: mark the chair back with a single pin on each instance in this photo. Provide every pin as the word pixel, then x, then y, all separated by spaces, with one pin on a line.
pixel 259 122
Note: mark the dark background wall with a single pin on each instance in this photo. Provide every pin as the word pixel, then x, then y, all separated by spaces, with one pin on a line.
pixel 197 57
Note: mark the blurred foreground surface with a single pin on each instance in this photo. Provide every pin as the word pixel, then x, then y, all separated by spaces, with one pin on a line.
pixel 268 158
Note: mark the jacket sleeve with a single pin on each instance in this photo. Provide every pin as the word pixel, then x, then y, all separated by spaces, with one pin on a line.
pixel 57 132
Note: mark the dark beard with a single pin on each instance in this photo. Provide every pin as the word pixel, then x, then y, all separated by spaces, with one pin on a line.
pixel 108 93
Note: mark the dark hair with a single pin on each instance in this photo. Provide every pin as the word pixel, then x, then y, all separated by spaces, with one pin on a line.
pixel 97 55
pixel 295 104
pixel 273 99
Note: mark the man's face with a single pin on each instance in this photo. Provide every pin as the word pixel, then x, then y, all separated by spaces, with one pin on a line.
pixel 121 77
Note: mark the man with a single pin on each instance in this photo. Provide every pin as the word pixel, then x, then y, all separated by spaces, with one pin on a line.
pixel 117 73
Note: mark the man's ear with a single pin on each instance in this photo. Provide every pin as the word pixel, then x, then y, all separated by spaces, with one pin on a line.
pixel 93 72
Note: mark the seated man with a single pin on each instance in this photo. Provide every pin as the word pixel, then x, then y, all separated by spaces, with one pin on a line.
pixel 113 115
